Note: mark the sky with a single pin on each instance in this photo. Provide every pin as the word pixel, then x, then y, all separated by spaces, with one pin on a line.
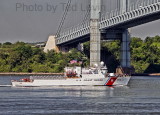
pixel 35 20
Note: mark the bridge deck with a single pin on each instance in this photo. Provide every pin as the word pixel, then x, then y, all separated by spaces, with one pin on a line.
pixel 141 15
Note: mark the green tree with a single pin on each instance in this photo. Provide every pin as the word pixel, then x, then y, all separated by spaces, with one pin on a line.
pixel 14 59
pixel 7 43
pixel 24 51
pixel 52 56
pixel 3 55
pixel 36 67
pixel 113 47
pixel 136 42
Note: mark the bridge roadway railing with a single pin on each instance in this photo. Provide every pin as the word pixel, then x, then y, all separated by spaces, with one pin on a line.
pixel 137 11
pixel 73 33
pixel 130 15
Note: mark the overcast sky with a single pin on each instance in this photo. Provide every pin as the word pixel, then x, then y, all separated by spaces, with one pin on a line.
pixel 18 23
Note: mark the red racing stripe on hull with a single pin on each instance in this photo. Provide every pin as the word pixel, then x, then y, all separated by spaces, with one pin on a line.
pixel 111 81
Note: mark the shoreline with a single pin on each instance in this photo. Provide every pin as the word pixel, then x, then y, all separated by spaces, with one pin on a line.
pixel 146 74
pixel 27 74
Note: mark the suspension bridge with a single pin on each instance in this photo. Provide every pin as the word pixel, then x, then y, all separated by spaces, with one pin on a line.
pixel 104 20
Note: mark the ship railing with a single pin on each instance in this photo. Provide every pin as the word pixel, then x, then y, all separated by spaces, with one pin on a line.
pixel 47 77
pixel 118 75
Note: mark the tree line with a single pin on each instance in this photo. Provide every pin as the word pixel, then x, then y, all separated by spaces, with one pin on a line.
pixel 23 57
pixel 144 53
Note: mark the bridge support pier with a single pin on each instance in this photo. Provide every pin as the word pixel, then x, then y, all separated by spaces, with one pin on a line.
pixel 125 51
pixel 95 43
pixel 95 35
pixel 51 44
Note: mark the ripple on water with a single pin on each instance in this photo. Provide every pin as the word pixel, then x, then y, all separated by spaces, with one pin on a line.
pixel 141 96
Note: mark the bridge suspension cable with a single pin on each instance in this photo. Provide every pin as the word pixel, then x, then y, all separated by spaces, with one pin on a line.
pixel 63 18
pixel 87 13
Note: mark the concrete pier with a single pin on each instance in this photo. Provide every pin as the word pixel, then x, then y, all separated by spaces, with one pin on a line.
pixel 95 35
pixel 125 49
pixel 51 44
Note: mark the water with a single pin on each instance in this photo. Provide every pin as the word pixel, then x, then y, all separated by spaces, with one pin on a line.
pixel 141 96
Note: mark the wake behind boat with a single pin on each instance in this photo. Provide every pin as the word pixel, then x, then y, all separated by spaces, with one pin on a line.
pixel 76 76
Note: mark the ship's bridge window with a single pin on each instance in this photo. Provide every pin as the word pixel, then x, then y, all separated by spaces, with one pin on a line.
pixel 98 79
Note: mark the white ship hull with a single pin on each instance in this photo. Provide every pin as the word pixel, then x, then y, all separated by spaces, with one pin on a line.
pixel 95 81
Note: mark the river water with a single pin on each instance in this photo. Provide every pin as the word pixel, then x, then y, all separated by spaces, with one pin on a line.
pixel 141 96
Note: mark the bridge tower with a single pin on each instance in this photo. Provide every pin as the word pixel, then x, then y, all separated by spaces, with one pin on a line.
pixel 124 6
pixel 95 35
pixel 125 41
pixel 125 49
